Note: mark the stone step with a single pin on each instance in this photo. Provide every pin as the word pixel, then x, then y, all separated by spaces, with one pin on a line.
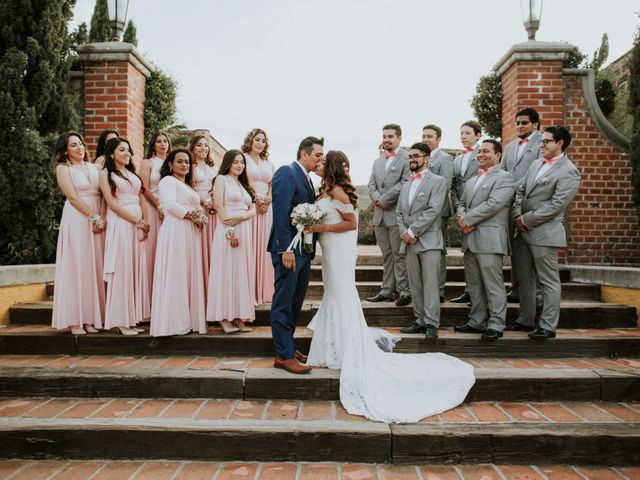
pixel 223 430
pixel 191 470
pixel 573 314
pixel 507 379
pixel 40 340
pixel 570 291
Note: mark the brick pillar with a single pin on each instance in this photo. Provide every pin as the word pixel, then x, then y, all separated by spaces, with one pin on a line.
pixel 114 79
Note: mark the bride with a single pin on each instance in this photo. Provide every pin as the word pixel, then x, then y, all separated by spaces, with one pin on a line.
pixel 382 386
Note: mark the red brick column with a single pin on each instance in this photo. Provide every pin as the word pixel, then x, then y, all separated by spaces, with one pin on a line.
pixel 114 79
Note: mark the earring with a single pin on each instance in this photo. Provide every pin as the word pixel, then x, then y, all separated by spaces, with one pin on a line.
pixel 171 170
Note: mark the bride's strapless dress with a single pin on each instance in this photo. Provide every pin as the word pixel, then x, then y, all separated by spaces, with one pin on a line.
pixel 382 386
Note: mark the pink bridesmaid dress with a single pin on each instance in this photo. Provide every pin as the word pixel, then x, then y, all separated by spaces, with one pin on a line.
pixel 178 307
pixel 153 219
pixel 260 174
pixel 202 180
pixel 125 260
pixel 79 292
pixel 232 276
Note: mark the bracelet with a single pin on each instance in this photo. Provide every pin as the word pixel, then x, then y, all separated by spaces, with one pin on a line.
pixel 140 223
pixel 95 218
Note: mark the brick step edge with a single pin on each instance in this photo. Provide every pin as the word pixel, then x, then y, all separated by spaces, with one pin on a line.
pixel 517 385
pixel 184 439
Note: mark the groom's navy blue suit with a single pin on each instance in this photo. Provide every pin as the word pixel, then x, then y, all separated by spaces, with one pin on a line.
pixel 289 188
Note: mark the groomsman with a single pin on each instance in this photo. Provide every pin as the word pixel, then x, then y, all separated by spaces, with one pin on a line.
pixel 483 219
pixel 548 188
pixel 518 156
pixel 465 167
pixel 441 163
pixel 389 172
pixel 419 219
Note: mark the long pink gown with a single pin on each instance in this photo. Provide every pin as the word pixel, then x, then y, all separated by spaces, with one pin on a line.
pixel 79 294
pixel 125 260
pixel 260 175
pixel 232 275
pixel 153 219
pixel 202 180
pixel 178 306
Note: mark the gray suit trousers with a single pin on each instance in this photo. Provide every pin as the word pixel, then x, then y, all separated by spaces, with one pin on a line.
pixel 543 261
pixel 443 258
pixel 394 276
pixel 515 287
pixel 422 269
pixel 485 283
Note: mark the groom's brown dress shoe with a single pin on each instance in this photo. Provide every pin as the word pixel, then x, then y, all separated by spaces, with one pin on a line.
pixel 291 365
pixel 301 357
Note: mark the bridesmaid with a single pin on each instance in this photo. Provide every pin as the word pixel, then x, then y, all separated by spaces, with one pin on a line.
pixel 179 309
pixel 104 137
pixel 157 151
pixel 231 296
pixel 125 262
pixel 204 171
pixel 78 298
pixel 260 170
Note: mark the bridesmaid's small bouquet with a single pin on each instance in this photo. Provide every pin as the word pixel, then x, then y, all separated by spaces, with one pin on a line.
pixel 305 215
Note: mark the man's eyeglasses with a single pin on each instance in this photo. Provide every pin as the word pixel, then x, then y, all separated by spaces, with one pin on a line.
pixel 544 141
pixel 416 156
pixel 522 122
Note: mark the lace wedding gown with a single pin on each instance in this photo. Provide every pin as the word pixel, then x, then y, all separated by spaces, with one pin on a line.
pixel 382 386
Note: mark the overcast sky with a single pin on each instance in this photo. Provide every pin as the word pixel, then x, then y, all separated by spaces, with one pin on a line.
pixel 343 68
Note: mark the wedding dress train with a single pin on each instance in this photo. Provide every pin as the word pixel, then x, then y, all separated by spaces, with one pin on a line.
pixel 382 386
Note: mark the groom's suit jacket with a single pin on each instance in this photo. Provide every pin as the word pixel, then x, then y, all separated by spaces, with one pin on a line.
pixel 289 188
pixel 422 214
pixel 384 185
pixel 487 209
pixel 543 201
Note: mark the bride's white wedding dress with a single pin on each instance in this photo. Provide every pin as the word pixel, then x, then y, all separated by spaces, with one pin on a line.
pixel 383 386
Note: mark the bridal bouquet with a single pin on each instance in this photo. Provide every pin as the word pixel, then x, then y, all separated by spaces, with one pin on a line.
pixel 305 215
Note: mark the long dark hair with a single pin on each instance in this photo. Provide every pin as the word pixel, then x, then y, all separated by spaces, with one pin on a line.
pixel 110 163
pixel 151 148
pixel 167 166
pixel 102 142
pixel 227 161
pixel 60 153
pixel 248 143
pixel 192 145
pixel 335 173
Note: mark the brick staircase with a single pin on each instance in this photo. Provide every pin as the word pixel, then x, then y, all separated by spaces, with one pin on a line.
pixel 574 400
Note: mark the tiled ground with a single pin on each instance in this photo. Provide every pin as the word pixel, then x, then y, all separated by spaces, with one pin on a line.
pixel 207 409
pixel 175 470
pixel 236 363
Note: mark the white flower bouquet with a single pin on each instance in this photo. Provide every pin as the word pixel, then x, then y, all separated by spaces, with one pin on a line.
pixel 305 215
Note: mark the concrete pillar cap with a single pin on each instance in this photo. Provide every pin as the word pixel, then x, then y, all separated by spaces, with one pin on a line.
pixel 533 50
pixel 114 52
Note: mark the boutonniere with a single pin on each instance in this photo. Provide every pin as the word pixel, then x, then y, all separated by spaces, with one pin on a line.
pixel 393 169
pixel 544 180
pixel 421 194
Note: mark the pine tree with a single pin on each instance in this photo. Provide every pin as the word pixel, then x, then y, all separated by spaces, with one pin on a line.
pixel 130 34
pixel 34 65
pixel 634 110
pixel 601 54
pixel 160 103
pixel 100 27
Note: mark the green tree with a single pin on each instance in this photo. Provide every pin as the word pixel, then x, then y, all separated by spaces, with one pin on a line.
pixel 634 110
pixel 601 54
pixel 577 59
pixel 487 104
pixel 100 27
pixel 130 34
pixel 34 65
pixel 160 103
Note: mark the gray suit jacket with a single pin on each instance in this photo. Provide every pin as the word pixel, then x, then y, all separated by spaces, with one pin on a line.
pixel 542 203
pixel 442 165
pixel 518 166
pixel 460 179
pixel 487 209
pixel 385 186
pixel 423 214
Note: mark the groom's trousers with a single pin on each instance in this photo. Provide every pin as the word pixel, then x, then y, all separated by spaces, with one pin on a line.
pixel 288 297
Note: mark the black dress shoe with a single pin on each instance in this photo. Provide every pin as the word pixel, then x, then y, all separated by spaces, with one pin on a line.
pixel 414 328
pixel 518 327
pixel 542 334
pixel 432 332
pixel 466 328
pixel 403 301
pixel 464 297
pixel 491 335
pixel 513 297
pixel 379 298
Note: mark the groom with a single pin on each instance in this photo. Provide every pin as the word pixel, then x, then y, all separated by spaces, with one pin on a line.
pixel 291 186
